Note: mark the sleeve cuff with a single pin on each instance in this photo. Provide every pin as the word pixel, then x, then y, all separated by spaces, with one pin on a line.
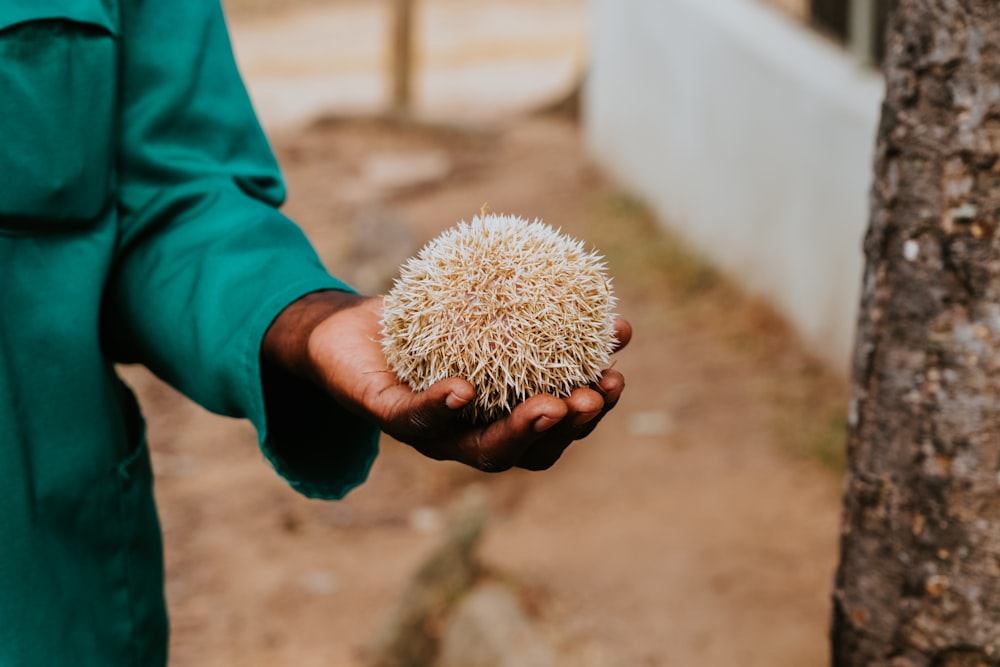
pixel 318 447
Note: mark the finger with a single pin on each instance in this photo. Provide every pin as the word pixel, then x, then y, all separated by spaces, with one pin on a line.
pixel 582 407
pixel 502 444
pixel 610 386
pixel 416 415
pixel 623 333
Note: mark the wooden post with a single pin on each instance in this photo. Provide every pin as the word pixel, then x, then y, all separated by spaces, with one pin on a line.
pixel 861 24
pixel 401 60
pixel 830 16
pixel 861 30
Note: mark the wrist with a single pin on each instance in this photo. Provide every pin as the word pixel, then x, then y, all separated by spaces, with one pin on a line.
pixel 286 343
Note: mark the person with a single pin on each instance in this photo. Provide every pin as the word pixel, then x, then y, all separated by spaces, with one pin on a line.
pixel 139 223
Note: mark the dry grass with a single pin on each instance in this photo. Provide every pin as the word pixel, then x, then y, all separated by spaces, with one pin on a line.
pixel 812 400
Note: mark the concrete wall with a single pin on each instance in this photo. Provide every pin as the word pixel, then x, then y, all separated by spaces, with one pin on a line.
pixel 751 137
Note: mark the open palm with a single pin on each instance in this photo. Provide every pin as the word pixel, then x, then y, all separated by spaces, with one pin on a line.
pixel 347 359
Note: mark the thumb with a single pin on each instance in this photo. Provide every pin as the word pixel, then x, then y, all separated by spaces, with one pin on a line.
pixel 421 415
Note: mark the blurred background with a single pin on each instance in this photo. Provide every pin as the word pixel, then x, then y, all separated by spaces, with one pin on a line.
pixel 717 153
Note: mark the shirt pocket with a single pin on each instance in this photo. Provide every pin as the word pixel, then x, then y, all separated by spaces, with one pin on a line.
pixel 58 73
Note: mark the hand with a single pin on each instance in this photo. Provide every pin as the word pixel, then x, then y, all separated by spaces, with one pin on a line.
pixel 333 338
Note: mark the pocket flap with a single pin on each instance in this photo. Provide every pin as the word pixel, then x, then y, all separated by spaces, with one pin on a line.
pixel 92 12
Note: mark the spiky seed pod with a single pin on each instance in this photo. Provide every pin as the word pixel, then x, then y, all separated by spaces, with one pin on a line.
pixel 512 306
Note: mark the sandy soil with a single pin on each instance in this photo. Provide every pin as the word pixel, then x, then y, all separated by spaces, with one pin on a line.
pixel 687 530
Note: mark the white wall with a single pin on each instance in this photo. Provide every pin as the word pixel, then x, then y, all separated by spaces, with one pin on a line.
pixel 751 137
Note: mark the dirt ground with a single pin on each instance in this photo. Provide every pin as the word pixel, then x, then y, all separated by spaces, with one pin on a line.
pixel 696 527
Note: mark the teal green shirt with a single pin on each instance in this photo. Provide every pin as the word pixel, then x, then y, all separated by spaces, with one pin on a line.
pixel 138 223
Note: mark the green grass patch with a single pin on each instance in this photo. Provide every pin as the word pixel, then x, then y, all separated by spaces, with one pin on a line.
pixel 632 241
pixel 811 417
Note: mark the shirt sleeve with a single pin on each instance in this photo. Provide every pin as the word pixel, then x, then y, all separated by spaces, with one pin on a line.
pixel 205 260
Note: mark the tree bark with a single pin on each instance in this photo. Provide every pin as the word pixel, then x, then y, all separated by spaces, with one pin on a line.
pixel 919 578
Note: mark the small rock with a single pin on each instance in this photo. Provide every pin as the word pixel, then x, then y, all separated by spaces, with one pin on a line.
pixel 650 423
pixel 426 520
pixel 173 465
pixel 409 636
pixel 397 171
pixel 490 629
pixel 320 583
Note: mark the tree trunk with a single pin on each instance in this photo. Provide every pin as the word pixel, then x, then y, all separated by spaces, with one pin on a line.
pixel 919 578
pixel 883 8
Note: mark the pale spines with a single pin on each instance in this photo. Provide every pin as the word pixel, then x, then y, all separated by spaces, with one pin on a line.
pixel 514 307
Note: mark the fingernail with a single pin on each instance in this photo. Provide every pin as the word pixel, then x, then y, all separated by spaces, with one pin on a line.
pixel 454 401
pixel 544 423
pixel 584 418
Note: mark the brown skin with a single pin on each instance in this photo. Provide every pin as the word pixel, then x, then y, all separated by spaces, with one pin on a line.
pixel 331 338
